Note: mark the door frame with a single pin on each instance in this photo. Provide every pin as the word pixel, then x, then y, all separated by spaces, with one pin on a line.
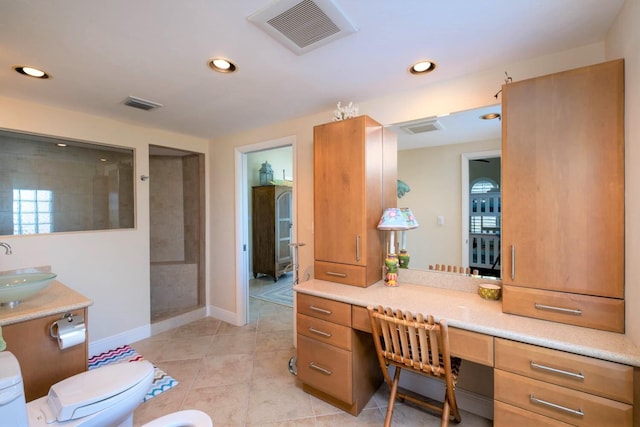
pixel 242 215
pixel 465 158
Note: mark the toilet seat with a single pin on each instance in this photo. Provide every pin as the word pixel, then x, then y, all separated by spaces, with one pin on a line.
pixel 92 391
pixel 186 418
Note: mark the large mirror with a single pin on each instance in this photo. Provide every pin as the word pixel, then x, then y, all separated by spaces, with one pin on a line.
pixel 50 185
pixel 451 166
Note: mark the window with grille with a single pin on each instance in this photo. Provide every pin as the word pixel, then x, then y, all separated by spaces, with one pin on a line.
pixel 32 211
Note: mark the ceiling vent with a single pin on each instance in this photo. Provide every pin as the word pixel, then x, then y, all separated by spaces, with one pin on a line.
pixel 141 104
pixel 421 126
pixel 304 25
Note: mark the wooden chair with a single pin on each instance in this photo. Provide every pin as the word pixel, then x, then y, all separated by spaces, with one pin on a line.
pixel 420 345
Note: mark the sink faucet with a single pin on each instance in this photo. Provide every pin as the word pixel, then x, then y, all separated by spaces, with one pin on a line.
pixel 7 248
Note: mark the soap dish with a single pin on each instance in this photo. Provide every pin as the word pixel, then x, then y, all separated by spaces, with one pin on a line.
pixel 489 291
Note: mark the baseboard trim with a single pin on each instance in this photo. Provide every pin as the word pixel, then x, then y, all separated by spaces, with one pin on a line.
pixel 118 340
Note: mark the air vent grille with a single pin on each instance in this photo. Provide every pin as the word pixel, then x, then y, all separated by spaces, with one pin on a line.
pixel 422 126
pixel 141 104
pixel 303 25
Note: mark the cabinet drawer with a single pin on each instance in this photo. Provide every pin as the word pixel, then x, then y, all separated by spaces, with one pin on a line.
pixel 471 346
pixel 325 367
pixel 323 308
pixel 509 416
pixel 575 309
pixel 341 273
pixel 561 403
pixel 327 332
pixel 360 318
pixel 606 379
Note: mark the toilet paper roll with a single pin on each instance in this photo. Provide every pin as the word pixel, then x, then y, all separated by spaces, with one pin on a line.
pixel 69 331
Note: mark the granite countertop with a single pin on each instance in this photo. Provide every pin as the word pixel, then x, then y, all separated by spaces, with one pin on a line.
pixel 467 310
pixel 56 298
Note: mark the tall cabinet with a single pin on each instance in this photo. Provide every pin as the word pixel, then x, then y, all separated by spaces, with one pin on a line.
pixel 355 178
pixel 563 197
pixel 271 222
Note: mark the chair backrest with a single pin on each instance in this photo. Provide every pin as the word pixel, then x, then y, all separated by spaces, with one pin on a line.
pixel 411 341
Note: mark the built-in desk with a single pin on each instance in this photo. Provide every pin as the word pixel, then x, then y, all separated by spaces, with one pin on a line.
pixel 477 324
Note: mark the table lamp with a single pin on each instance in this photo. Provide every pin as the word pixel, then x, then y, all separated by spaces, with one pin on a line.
pixel 410 220
pixel 392 220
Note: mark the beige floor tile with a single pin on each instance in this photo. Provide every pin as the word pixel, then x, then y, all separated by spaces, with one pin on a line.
pixel 226 405
pixel 277 400
pixel 232 344
pixel 224 370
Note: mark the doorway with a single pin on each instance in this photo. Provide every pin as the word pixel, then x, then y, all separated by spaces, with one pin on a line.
pixel 280 155
pixel 177 232
pixel 481 211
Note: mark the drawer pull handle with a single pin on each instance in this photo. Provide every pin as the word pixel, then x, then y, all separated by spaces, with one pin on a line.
pixel 573 311
pixel 324 334
pixel 319 310
pixel 578 375
pixel 331 273
pixel 358 247
pixel 577 412
pixel 320 368
pixel 513 262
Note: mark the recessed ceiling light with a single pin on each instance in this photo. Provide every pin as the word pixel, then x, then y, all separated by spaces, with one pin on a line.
pixel 490 116
pixel 422 67
pixel 61 144
pixel 222 65
pixel 31 72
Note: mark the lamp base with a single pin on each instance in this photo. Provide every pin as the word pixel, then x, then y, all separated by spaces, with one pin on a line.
pixel 404 258
pixel 391 264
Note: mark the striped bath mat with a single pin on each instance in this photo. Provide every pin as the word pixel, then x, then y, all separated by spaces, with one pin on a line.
pixel 161 381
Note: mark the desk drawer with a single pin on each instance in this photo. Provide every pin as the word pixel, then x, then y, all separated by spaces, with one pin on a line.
pixel 325 367
pixel 560 403
pixel 510 416
pixel 606 379
pixel 327 332
pixel 591 312
pixel 326 309
pixel 471 346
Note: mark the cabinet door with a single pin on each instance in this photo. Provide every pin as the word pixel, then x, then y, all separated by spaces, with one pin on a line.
pixel 284 223
pixel 339 191
pixel 563 177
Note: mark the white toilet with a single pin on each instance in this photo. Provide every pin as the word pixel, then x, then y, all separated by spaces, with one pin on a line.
pixel 103 397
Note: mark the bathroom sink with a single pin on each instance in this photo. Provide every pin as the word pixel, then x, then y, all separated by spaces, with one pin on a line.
pixel 17 287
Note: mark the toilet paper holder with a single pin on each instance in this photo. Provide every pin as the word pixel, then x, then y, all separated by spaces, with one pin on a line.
pixel 70 330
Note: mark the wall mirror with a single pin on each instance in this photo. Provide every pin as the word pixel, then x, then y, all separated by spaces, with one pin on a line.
pixel 50 185
pixel 440 159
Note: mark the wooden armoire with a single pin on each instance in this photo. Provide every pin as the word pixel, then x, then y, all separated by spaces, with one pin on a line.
pixel 271 222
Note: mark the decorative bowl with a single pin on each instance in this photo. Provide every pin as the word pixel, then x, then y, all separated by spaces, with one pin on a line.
pixel 489 291
pixel 17 287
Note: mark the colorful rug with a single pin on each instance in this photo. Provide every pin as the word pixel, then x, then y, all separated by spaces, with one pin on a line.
pixel 161 381
pixel 280 292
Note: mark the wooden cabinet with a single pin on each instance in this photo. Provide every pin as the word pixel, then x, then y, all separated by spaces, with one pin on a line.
pixel 563 197
pixel 335 362
pixel 41 361
pixel 539 386
pixel 271 222
pixel 355 178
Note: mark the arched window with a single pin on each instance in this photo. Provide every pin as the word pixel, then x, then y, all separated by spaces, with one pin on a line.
pixel 484 185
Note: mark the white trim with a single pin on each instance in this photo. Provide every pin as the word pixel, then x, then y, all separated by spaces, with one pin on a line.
pixel 464 195
pixel 115 341
pixel 242 214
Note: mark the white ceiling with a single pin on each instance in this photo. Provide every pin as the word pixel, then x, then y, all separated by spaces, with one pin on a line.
pixel 100 52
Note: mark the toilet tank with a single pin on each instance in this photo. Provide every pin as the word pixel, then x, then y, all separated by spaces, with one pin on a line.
pixel 13 408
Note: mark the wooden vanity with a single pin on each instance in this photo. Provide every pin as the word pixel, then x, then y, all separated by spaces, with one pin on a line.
pixel 594 378
pixel 25 328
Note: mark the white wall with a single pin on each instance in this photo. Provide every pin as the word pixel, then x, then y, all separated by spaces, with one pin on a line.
pixel 623 41
pixel 109 267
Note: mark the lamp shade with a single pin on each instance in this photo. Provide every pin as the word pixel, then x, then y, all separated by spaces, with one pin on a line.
pixel 392 219
pixel 409 218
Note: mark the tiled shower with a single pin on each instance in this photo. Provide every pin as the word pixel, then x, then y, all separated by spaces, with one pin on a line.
pixel 177 232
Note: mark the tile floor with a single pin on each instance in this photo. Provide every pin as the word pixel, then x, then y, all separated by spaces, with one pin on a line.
pixel 240 377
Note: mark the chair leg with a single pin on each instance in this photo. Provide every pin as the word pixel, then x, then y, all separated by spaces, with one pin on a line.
pixel 392 397
pixel 445 414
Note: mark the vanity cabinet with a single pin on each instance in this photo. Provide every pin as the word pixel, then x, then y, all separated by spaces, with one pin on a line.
pixel 355 176
pixel 563 197
pixel 41 361
pixel 336 362
pixel 271 225
pixel 539 386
